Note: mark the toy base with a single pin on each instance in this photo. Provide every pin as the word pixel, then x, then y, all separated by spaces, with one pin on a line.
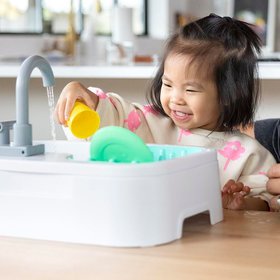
pixel 127 205
pixel 22 151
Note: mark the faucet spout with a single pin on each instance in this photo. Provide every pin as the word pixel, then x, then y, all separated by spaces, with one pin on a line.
pixel 22 145
pixel 22 128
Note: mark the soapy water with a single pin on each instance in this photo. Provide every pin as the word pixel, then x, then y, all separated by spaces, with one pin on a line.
pixel 50 94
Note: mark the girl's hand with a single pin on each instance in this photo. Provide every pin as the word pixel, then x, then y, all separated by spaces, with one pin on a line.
pixel 233 195
pixel 72 92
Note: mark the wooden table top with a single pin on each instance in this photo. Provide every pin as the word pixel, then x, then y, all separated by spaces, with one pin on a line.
pixel 244 246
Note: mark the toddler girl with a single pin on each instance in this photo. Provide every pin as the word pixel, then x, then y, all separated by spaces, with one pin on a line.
pixel 205 87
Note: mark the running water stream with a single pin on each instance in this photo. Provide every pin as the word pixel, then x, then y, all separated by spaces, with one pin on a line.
pixel 51 108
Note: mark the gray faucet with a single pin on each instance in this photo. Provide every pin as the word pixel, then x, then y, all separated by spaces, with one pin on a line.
pixel 22 145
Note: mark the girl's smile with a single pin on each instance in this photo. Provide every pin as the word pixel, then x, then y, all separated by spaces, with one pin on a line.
pixel 188 96
pixel 180 116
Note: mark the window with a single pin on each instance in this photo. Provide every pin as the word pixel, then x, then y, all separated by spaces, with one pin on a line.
pixel 103 15
pixel 52 16
pixel 20 16
pixel 56 15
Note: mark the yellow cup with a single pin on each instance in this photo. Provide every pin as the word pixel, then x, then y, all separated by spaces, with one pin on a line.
pixel 83 121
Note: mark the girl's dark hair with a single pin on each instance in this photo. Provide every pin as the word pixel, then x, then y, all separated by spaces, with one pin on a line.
pixel 227 49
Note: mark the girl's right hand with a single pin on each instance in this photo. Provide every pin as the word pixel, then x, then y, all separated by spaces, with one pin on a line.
pixel 70 93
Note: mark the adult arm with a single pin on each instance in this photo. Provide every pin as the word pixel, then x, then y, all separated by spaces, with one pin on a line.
pixel 267 132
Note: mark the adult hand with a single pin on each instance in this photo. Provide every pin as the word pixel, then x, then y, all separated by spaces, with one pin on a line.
pixel 273 183
pixel 274 204
pixel 70 93
pixel 273 186
pixel 233 195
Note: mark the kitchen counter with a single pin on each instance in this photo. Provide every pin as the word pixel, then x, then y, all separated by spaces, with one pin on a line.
pixel 267 70
pixel 86 71
pixel 244 246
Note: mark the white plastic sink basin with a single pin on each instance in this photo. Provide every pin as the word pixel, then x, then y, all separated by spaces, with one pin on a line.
pixel 53 197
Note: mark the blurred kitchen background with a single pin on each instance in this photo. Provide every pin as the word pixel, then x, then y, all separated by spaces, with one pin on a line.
pixel 77 34
pixel 29 26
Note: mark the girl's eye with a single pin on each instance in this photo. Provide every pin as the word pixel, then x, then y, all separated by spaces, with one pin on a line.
pixel 166 85
pixel 191 90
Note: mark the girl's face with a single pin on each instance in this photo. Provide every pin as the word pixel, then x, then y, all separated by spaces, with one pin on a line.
pixel 188 97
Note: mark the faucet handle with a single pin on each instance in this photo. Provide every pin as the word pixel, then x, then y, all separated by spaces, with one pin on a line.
pixel 5 128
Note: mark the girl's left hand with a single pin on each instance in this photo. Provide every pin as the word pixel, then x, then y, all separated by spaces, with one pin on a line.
pixel 233 195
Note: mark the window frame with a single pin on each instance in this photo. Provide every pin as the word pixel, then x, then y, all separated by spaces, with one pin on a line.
pixel 39 33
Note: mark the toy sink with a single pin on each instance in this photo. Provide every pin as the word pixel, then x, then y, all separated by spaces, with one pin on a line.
pixel 50 190
pixel 62 196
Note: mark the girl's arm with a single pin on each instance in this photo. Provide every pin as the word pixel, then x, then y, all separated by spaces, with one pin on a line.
pixel 70 93
pixel 112 109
